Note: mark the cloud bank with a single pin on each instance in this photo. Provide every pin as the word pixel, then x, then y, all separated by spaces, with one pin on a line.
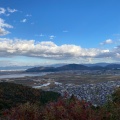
pixel 48 49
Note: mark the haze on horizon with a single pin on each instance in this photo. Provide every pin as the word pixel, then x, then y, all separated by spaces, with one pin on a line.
pixel 43 32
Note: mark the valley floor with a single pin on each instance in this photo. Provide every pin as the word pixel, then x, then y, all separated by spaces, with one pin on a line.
pixel 95 86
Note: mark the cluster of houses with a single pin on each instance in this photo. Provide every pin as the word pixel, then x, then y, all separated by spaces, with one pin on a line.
pixel 97 94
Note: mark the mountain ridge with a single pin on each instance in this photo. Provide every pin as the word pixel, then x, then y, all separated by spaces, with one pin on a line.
pixel 73 67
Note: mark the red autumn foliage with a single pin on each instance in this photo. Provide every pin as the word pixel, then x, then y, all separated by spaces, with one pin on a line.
pixel 63 109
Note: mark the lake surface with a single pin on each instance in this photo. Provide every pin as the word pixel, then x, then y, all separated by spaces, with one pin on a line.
pixel 19 75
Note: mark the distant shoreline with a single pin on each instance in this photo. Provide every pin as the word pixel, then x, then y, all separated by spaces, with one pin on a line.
pixel 19 74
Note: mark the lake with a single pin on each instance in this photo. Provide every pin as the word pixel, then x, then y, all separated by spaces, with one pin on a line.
pixel 19 75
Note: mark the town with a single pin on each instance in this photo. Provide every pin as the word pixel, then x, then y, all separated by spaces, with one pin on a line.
pixel 94 86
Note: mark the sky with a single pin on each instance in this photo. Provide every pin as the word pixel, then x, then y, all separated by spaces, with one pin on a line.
pixel 43 32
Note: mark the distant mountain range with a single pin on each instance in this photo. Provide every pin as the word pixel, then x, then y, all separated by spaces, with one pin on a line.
pixel 98 64
pixel 75 67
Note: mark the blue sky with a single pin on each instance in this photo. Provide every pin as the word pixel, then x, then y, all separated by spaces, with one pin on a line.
pixel 39 32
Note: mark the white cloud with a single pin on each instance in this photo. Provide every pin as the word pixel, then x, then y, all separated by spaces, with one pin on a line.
pixel 24 20
pixel 28 15
pixel 7 11
pixel 49 50
pixel 2 11
pixel 108 41
pixel 45 49
pixel 4 25
pixel 3 32
pixel 52 37
pixel 11 10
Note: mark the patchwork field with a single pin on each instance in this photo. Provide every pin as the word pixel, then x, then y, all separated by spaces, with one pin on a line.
pixel 66 77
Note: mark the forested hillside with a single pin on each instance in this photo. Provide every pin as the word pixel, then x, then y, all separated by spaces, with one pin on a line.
pixel 18 102
pixel 12 95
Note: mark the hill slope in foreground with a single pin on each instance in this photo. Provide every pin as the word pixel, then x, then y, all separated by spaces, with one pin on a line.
pixel 18 102
pixel 13 94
